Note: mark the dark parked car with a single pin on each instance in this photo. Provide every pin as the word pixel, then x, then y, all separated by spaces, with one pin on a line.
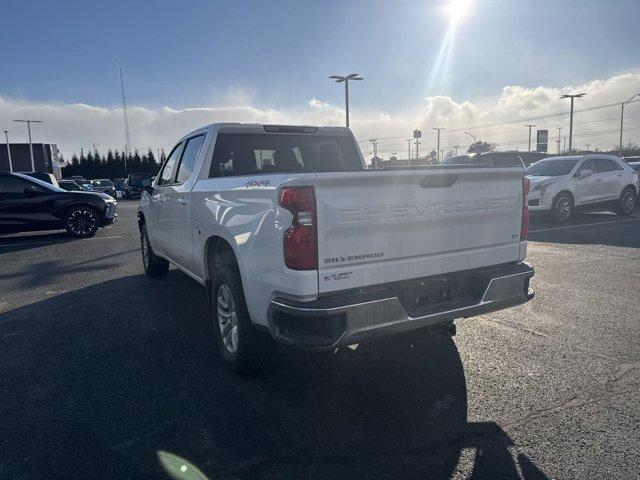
pixel 69 185
pixel 104 185
pixel 28 204
pixel 133 184
pixel 44 176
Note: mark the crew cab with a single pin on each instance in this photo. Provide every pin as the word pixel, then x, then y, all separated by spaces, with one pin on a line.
pixel 561 185
pixel 296 241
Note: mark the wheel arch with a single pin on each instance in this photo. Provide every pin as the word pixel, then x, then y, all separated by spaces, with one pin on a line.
pixel 214 245
pixel 568 192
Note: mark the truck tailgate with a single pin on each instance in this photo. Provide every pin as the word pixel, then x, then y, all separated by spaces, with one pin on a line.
pixel 385 226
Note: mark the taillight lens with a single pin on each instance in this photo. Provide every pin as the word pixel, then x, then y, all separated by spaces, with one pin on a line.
pixel 300 241
pixel 524 229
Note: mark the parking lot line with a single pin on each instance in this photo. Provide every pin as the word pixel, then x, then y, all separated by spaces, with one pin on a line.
pixel 635 219
pixel 54 243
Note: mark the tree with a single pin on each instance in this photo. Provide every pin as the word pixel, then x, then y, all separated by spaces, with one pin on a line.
pixel 481 147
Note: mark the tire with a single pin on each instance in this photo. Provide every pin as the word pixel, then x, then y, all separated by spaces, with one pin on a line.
pixel 627 202
pixel 81 221
pixel 562 208
pixel 154 266
pixel 243 348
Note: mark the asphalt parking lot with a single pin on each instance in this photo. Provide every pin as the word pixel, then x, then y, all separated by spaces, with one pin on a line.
pixel 101 368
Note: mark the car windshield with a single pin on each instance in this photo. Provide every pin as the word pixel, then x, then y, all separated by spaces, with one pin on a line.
pixel 552 168
pixel 102 183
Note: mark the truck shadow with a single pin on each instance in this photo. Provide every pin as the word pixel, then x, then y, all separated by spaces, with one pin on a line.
pixel 97 381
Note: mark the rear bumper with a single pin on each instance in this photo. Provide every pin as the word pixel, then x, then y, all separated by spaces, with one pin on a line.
pixel 346 319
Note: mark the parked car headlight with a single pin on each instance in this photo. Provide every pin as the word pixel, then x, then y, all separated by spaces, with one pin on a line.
pixel 541 187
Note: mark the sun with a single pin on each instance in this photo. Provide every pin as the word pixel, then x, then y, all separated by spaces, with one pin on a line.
pixel 458 9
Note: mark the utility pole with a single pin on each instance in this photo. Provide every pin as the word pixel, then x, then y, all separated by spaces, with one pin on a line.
pixel 564 145
pixel 127 135
pixel 417 144
pixel 558 141
pixel 587 145
pixel 456 147
pixel 438 147
pixel 622 118
pixel 374 142
pixel 29 122
pixel 572 97
pixel 530 127
pixel 6 137
pixel 345 79
pixel 409 140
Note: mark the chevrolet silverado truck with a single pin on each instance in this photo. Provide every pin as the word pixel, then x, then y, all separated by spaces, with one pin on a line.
pixel 296 241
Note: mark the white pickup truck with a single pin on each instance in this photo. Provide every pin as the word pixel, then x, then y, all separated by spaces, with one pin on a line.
pixel 295 240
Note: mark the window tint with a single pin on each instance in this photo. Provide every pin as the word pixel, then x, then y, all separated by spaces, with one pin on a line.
pixel 588 165
pixel 606 165
pixel 167 171
pixel 189 158
pixel 250 154
pixel 12 184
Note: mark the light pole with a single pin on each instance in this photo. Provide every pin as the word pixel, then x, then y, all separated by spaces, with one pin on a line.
pixel 409 140
pixel 624 104
pixel 29 122
pixel 374 142
pixel 587 145
pixel 456 147
pixel 6 137
pixel 572 97
pixel 530 127
pixel 472 136
pixel 559 133
pixel 345 79
pixel 438 149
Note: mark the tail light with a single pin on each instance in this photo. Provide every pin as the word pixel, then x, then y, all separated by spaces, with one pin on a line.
pixel 300 241
pixel 524 228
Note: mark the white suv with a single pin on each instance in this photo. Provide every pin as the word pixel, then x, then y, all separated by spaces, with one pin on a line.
pixel 560 185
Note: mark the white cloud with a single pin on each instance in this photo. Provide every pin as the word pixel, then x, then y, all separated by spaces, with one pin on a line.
pixel 77 125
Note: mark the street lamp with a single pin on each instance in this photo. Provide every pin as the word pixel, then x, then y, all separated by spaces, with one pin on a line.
pixel 6 137
pixel 438 149
pixel 530 126
pixel 572 97
pixel 622 118
pixel 29 122
pixel 345 79
pixel 472 136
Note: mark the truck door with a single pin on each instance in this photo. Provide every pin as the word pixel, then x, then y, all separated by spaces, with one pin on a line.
pixel 175 210
pixel 157 224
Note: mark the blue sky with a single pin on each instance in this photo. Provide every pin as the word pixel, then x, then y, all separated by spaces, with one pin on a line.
pixel 269 62
pixel 192 53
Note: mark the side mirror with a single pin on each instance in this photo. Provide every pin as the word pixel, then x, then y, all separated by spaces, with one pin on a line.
pixel 584 174
pixel 146 184
pixel 30 191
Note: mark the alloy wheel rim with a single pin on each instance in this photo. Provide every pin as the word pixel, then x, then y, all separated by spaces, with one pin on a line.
pixel 82 222
pixel 628 202
pixel 227 318
pixel 564 208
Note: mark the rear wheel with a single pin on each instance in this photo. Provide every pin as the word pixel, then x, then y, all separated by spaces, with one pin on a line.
pixel 562 208
pixel 154 266
pixel 627 202
pixel 81 221
pixel 244 348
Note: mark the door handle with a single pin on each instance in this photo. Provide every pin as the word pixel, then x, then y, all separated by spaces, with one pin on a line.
pixel 183 201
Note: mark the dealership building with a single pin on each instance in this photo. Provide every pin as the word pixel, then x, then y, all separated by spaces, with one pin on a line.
pixel 45 158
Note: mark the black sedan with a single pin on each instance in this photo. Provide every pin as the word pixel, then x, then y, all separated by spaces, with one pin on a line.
pixel 28 204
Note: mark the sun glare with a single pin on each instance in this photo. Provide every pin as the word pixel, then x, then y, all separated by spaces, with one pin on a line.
pixel 458 9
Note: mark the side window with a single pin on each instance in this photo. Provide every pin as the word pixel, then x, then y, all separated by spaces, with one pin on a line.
pixel 605 165
pixel 12 184
pixel 166 176
pixel 189 158
pixel 588 165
